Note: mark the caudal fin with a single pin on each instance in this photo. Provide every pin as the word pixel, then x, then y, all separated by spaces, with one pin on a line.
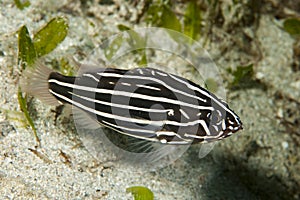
pixel 34 81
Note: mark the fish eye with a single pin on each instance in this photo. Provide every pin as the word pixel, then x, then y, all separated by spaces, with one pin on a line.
pixel 216 116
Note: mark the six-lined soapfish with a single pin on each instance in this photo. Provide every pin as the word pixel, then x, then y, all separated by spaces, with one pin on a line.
pixel 143 103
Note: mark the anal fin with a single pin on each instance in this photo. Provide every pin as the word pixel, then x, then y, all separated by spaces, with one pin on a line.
pixel 83 120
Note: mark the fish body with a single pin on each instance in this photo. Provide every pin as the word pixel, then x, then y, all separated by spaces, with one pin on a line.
pixel 143 103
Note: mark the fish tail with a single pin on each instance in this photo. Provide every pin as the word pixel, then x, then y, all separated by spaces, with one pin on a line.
pixel 34 81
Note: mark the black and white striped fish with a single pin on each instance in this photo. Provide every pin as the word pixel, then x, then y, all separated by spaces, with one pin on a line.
pixel 143 103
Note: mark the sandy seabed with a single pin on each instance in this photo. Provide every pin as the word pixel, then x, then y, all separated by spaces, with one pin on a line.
pixel 260 162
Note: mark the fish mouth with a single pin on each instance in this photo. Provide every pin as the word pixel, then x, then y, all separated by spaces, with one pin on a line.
pixel 240 126
pixel 230 130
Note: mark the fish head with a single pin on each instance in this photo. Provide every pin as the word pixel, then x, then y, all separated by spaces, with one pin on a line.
pixel 223 122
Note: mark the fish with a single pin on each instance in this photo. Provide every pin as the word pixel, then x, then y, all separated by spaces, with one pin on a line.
pixel 144 103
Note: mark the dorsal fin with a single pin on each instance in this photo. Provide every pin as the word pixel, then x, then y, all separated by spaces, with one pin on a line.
pixel 91 66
